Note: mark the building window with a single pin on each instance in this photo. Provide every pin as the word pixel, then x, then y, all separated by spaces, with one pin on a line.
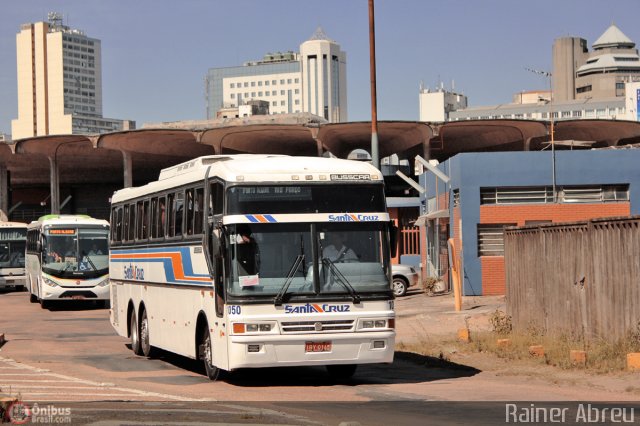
pixel 274 103
pixel 577 113
pixel 297 102
pixel 232 85
pixel 564 194
pixel 281 103
pixel 259 93
pixel 282 92
pixel 297 80
pixel 601 112
pixel 282 81
pixel 253 94
pixel 456 198
pixel 589 113
pixel 274 92
pixel 260 83
pixel 288 81
pixel 545 115
pixel 274 82
pixel 566 114
pixel 491 239
pixel 583 89
pixel 296 91
pixel 233 96
pixel 266 83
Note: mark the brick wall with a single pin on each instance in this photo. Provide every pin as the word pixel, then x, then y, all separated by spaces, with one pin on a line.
pixel 493 278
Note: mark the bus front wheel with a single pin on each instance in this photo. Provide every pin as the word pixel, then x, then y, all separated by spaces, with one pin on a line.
pixel 135 334
pixel 206 354
pixel 33 298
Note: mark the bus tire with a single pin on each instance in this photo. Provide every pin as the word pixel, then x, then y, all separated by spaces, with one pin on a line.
pixel 213 372
pixel 19 288
pixel 342 371
pixel 147 349
pixel 44 304
pixel 135 334
pixel 33 298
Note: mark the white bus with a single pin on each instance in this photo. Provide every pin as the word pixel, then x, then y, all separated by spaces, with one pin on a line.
pixel 68 258
pixel 13 237
pixel 223 259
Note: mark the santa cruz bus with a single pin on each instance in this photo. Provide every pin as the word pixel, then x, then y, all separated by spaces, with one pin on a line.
pixel 68 258
pixel 232 260
pixel 13 236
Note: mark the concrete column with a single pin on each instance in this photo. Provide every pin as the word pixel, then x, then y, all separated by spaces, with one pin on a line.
pixel 128 169
pixel 55 187
pixel 4 192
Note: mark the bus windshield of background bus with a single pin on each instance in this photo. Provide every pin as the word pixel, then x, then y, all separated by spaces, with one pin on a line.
pixel 317 198
pixel 76 252
pixel 12 254
pixel 263 256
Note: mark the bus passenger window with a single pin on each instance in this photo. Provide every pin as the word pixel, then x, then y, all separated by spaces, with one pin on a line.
pixel 198 213
pixel 139 219
pixel 125 224
pixel 189 211
pixel 171 227
pixel 161 217
pixel 154 217
pixel 145 220
pixel 132 222
pixel 179 207
pixel 118 225
pixel 215 202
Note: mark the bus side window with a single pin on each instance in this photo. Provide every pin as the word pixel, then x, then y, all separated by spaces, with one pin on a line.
pixel 145 220
pixel 116 230
pixel 215 203
pixel 125 224
pixel 179 206
pixel 189 204
pixel 161 217
pixel 132 222
pixel 154 217
pixel 198 211
pixel 171 227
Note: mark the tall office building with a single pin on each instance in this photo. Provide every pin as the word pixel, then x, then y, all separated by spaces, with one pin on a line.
pixel 59 82
pixel 314 81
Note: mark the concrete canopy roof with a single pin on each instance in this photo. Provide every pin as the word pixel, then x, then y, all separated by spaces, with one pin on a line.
pixel 394 137
pixel 99 158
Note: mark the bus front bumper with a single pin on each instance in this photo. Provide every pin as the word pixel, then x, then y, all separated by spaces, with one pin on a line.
pixel 317 349
pixel 18 280
pixel 63 293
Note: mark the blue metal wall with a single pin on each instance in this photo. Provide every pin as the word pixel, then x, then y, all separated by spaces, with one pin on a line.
pixel 471 171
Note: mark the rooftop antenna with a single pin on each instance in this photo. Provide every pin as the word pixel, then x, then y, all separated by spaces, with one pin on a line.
pixel 55 19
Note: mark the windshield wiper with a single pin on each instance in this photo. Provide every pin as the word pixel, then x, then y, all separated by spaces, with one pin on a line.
pixel 88 257
pixel 342 280
pixel 287 282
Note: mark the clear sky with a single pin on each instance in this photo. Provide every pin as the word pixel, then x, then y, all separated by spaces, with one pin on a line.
pixel 156 53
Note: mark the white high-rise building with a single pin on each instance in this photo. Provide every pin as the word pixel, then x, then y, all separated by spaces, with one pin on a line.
pixel 314 81
pixel 59 74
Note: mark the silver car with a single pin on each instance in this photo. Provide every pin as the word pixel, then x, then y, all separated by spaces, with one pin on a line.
pixel 404 276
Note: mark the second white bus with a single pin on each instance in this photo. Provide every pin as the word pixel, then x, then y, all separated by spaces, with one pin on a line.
pixel 68 258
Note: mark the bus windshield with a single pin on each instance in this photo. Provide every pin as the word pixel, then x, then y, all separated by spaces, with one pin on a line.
pixel 267 259
pixel 12 254
pixel 76 252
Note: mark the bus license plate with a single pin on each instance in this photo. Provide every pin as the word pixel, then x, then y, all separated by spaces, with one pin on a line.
pixel 317 347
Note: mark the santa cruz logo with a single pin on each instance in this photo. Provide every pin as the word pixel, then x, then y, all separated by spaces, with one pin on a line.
pixel 133 273
pixel 312 308
pixel 350 217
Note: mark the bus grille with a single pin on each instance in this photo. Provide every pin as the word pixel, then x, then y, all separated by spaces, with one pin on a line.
pixel 316 326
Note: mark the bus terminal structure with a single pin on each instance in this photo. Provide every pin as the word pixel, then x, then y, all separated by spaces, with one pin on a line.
pixel 79 173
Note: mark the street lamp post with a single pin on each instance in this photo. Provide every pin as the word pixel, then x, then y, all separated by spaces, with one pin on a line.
pixel 375 157
pixel 552 130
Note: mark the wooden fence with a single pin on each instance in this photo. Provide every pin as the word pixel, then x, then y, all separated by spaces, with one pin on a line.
pixel 580 278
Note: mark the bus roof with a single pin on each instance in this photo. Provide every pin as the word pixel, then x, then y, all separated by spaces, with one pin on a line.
pixel 251 168
pixel 67 219
pixel 12 225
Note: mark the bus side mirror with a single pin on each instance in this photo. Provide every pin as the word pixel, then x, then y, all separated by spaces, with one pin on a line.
pixel 393 237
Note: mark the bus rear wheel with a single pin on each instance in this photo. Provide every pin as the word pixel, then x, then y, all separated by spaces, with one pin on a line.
pixel 206 354
pixel 135 334
pixel 147 349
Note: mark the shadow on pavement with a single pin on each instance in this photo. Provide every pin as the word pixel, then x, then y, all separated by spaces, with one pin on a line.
pixel 407 368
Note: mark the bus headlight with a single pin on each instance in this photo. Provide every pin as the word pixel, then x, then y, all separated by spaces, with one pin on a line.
pixel 49 282
pixel 244 328
pixel 103 283
pixel 372 324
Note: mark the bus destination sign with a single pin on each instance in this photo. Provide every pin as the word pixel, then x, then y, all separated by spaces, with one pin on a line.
pixel 62 231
